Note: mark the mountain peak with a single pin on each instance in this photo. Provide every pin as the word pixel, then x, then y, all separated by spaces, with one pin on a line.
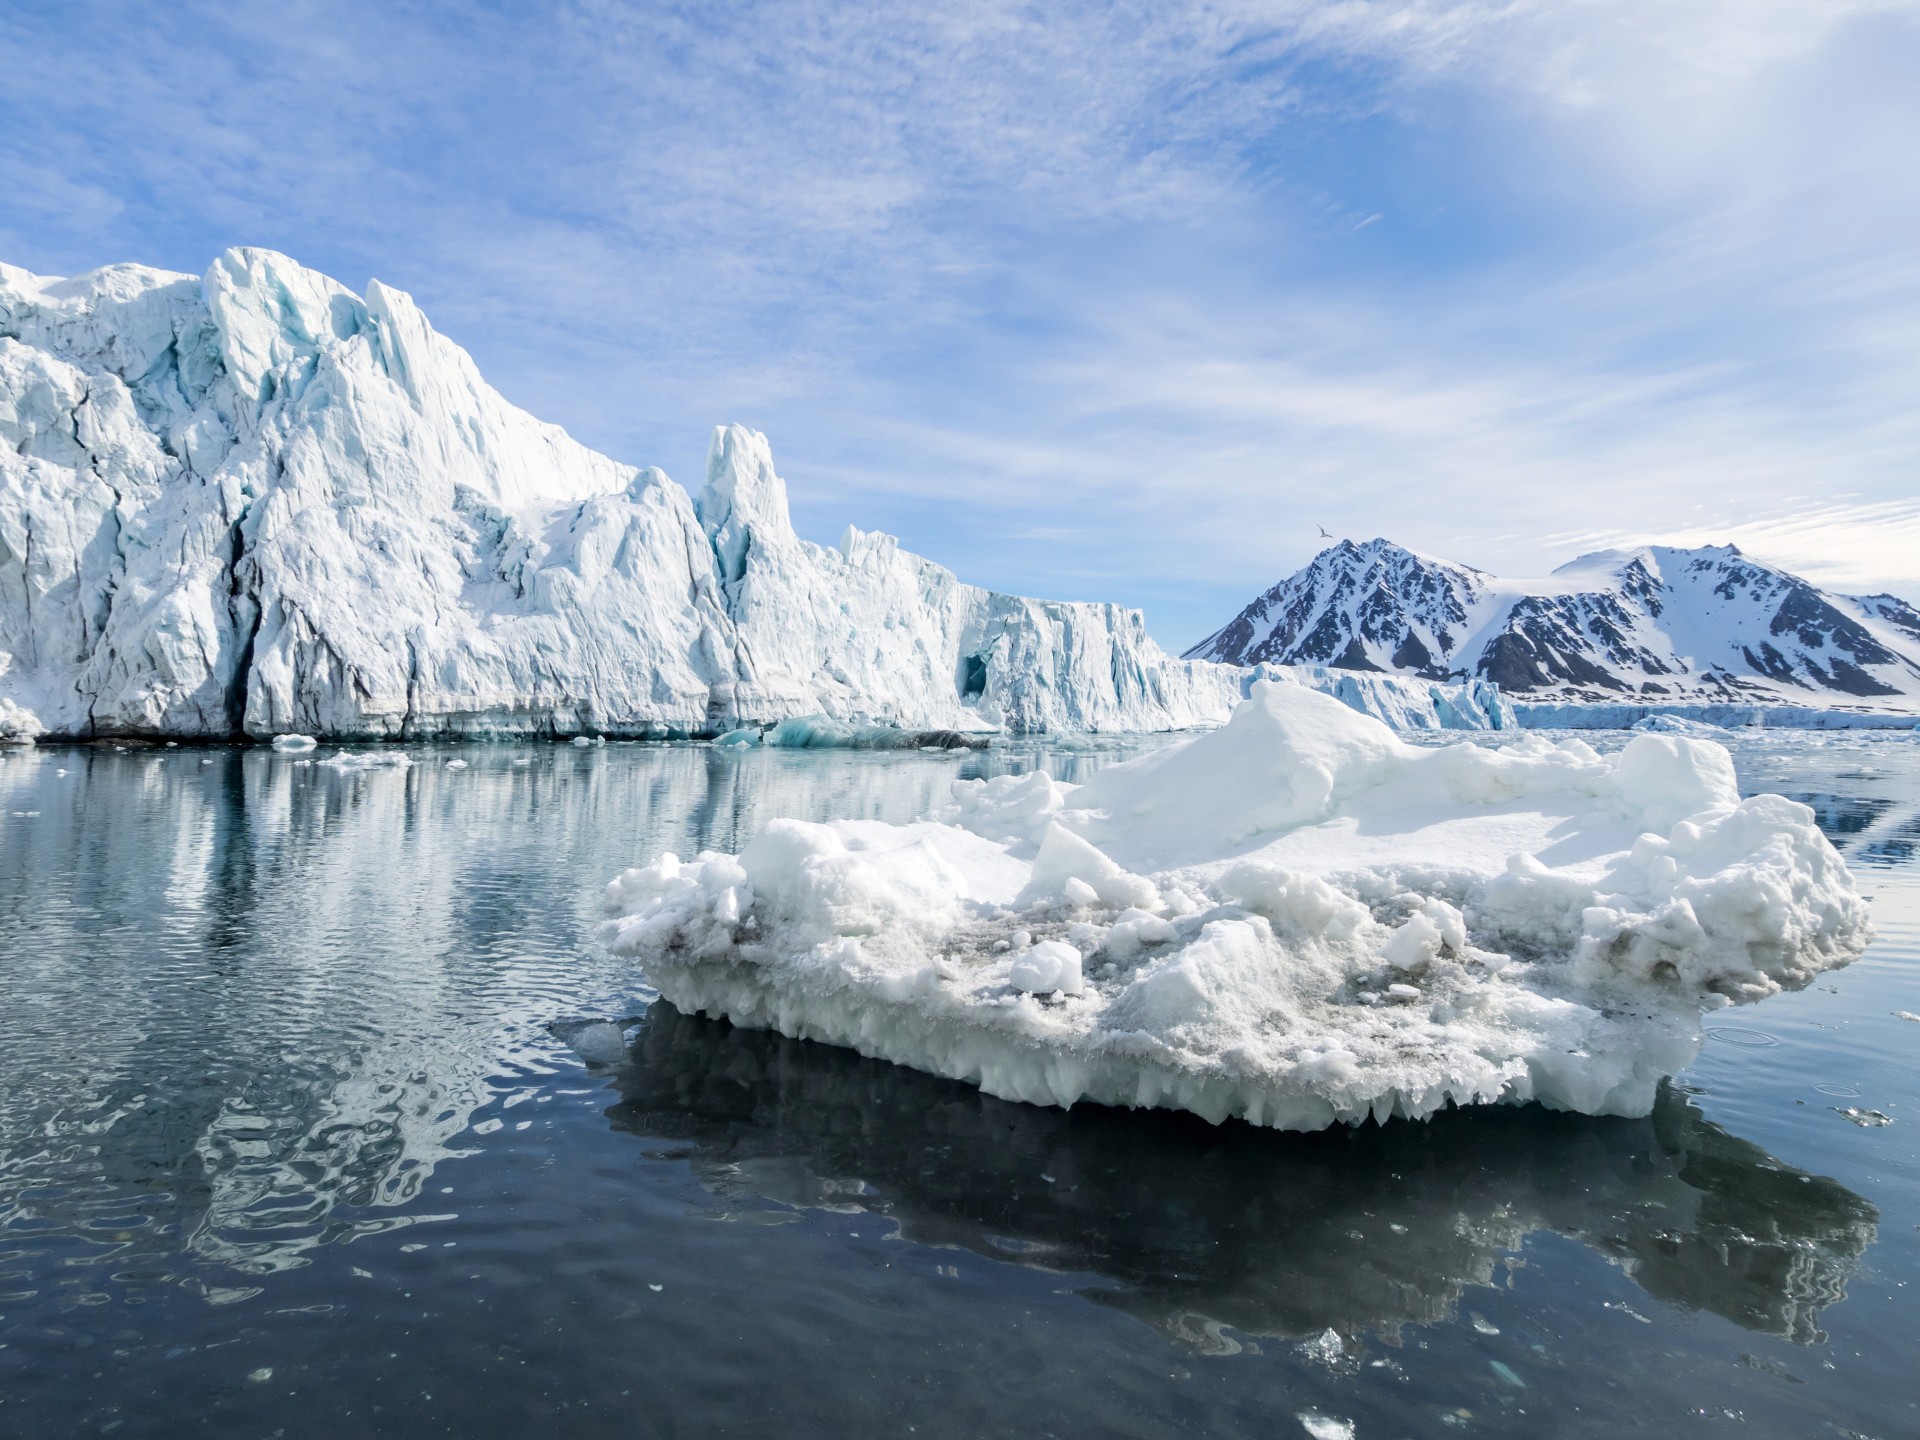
pixel 1651 622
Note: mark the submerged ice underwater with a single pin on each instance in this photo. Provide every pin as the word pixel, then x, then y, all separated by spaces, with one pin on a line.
pixel 1297 919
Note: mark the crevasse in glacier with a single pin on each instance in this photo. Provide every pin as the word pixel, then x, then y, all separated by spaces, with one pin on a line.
pixel 254 501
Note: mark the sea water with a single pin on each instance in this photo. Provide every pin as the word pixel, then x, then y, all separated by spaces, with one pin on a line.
pixel 320 1115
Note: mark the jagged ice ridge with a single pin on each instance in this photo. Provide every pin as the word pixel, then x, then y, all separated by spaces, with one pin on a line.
pixel 254 502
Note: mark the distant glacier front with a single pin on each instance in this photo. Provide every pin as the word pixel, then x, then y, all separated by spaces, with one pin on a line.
pixel 256 503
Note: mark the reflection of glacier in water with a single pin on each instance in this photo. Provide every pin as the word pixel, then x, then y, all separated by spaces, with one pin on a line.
pixel 253 1002
pixel 242 1035
pixel 1204 1228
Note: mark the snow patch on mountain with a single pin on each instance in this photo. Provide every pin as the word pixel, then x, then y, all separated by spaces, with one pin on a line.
pixel 1654 625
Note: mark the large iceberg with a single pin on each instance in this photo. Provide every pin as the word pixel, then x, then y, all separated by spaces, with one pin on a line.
pixel 1296 919
pixel 255 502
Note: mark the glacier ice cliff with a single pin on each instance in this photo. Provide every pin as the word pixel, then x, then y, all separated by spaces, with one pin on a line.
pixel 255 502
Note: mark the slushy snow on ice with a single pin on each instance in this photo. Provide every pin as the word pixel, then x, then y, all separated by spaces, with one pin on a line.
pixel 1296 919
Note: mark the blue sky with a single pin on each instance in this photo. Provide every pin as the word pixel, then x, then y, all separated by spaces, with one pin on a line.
pixel 1105 302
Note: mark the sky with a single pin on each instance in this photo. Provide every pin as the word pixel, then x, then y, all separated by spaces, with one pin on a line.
pixel 1118 302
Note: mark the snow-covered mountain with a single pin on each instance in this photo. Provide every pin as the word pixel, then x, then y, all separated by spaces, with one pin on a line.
pixel 1656 625
pixel 256 501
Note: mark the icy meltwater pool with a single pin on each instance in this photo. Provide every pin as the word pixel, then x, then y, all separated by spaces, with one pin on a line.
pixel 292 1141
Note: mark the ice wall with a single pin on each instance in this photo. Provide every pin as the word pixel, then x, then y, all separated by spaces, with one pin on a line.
pixel 256 502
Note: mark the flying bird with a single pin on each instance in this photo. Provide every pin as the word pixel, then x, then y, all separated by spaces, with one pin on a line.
pixel 1323 533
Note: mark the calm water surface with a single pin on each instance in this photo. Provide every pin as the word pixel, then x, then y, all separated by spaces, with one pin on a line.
pixel 292 1142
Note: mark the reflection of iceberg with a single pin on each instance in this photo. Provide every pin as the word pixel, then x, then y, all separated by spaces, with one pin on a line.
pixel 249 1016
pixel 1296 920
pixel 1201 1228
pixel 257 1000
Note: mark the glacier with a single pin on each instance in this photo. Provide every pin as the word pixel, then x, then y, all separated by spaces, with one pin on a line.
pixel 255 503
pixel 1298 919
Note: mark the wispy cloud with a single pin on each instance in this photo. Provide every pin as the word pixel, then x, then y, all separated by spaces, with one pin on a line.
pixel 1118 300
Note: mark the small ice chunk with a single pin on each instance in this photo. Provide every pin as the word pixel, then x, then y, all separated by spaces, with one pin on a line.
pixel 1079 893
pixel 368 760
pixel 599 1043
pixel 1067 860
pixel 1869 1119
pixel 1324 1427
pixel 1052 966
pixel 1008 807
pixel 1134 930
pixel 456 764
pixel 291 743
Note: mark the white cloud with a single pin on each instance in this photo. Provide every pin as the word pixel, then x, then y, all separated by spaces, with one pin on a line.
pixel 1063 292
pixel 1853 548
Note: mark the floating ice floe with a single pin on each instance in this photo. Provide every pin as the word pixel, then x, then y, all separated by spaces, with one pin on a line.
pixel 293 742
pixel 368 760
pixel 823 732
pixel 1297 919
pixel 1677 725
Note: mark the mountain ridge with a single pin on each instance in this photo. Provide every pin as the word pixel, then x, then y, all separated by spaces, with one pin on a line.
pixel 1653 623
